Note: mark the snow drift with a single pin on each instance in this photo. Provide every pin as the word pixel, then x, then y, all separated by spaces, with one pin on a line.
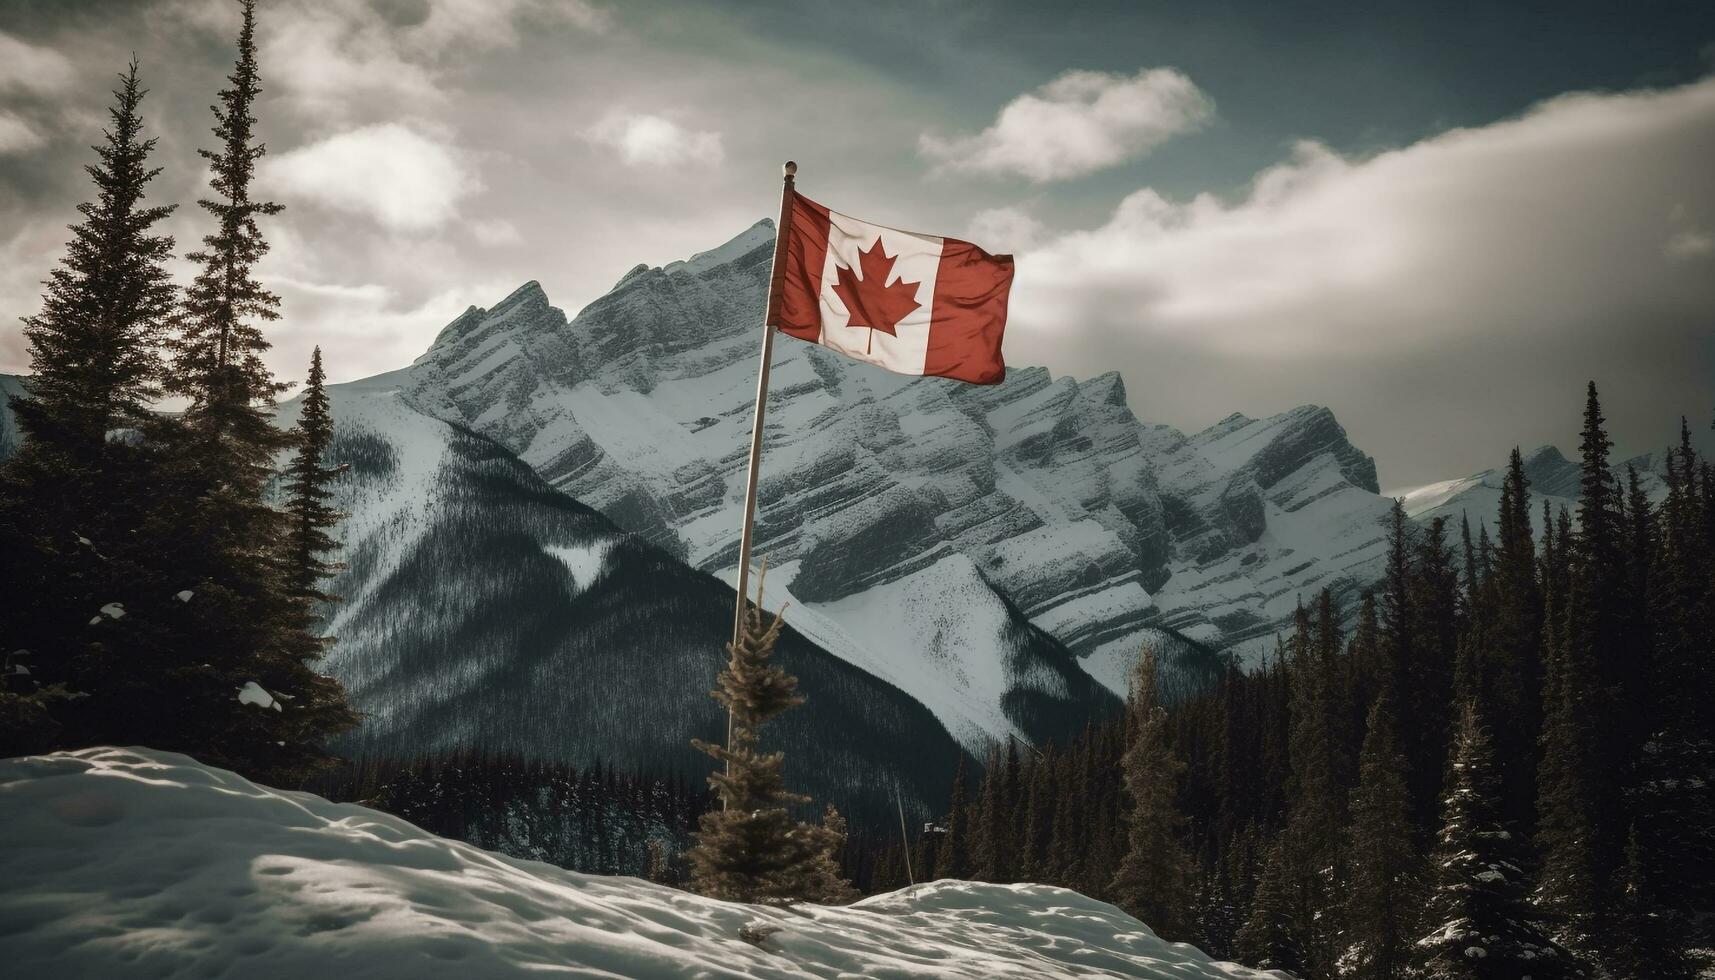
pixel 132 862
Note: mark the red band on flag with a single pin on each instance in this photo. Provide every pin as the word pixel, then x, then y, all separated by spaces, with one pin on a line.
pixel 797 300
pixel 969 315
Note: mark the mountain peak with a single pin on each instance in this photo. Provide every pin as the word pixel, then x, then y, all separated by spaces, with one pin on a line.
pixel 743 244
pixel 1107 389
pixel 531 293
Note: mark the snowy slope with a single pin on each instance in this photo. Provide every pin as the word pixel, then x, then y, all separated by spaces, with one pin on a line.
pixel 484 609
pixel 131 863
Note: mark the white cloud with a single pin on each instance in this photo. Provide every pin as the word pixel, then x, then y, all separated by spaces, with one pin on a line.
pixel 367 328
pixel 18 136
pixel 403 179
pixel 495 232
pixel 27 68
pixel 641 138
pixel 1689 244
pixel 1079 123
pixel 1006 230
pixel 1548 220
pixel 338 59
pixel 494 23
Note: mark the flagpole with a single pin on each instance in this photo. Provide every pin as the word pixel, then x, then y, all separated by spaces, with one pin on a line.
pixel 777 270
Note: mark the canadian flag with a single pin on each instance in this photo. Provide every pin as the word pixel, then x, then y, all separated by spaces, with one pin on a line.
pixel 910 303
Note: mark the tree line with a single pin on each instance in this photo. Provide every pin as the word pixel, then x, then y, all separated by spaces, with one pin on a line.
pixel 162 582
pixel 595 819
pixel 1501 763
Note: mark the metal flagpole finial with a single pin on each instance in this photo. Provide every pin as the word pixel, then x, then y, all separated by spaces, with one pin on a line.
pixel 790 169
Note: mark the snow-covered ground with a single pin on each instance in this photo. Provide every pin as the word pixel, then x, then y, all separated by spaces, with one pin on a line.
pixel 135 863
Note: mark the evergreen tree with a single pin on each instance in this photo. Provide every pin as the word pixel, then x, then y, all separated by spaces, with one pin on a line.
pixel 1587 730
pixel 1273 937
pixel 73 499
pixel 1409 667
pixel 218 352
pixel 1434 609
pixel 1153 881
pixel 307 483
pixel 1646 940
pixel 996 851
pixel 824 882
pixel 1384 888
pixel 752 850
pixel 242 626
pixel 94 345
pixel 953 858
pixel 1066 850
pixel 1673 802
pixel 982 820
pixel 1036 837
pixel 1512 689
pixel 1218 916
pixel 1484 926
pixel 1312 838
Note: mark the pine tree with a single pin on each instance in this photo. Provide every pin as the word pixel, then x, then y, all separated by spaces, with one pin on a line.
pixel 1273 937
pixel 307 482
pixel 953 858
pixel 1512 691
pixel 241 625
pixel 1484 926
pixel 1646 939
pixel 825 884
pixel 982 857
pixel 1409 667
pixel 1153 881
pixel 995 852
pixel 1066 850
pixel 1043 791
pixel 1587 745
pixel 1384 888
pixel 1673 812
pixel 73 499
pixel 218 353
pixel 94 346
pixel 1218 918
pixel 1312 837
pixel 752 850
pixel 1434 607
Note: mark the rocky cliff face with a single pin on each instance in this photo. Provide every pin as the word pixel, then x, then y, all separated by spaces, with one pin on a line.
pixel 1044 493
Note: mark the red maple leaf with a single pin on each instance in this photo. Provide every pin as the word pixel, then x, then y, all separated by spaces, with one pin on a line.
pixel 870 301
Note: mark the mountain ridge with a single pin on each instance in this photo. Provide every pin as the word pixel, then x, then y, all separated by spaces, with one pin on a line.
pixel 641 406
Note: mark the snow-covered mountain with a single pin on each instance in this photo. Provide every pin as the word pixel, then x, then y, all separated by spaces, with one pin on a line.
pixel 1553 480
pixel 132 863
pixel 1042 494
pixel 484 609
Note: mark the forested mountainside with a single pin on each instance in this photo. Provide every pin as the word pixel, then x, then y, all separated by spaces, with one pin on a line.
pixel 484 609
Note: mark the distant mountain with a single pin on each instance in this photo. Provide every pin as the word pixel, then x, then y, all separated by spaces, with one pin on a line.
pixel 483 608
pixel 1553 480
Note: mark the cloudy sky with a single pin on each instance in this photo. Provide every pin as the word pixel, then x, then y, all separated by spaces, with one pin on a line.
pixel 1438 219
